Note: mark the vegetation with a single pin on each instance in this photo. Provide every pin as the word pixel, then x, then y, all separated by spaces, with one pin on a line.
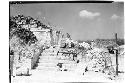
pixel 109 42
pixel 105 42
pixel 22 41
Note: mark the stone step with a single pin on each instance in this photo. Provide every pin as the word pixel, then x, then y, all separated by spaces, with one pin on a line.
pixel 66 61
pixel 55 68
pixel 47 64
pixel 48 57
pixel 46 68
pixel 69 67
pixel 51 57
pixel 56 61
pixel 48 54
pixel 47 61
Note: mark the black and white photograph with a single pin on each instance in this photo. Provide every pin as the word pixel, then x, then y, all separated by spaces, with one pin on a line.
pixel 66 41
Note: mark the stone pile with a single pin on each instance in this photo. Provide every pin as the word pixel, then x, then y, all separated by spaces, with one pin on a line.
pixel 99 60
pixel 25 56
pixel 85 45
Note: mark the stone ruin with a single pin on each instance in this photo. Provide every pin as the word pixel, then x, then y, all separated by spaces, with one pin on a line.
pixel 92 59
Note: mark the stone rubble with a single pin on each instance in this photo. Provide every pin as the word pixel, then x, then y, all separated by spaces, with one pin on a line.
pixel 60 53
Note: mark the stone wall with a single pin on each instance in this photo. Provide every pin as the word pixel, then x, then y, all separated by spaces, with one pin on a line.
pixel 35 57
pixel 43 36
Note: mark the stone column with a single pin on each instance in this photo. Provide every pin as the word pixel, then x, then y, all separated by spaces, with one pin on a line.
pixel 15 62
pixel 59 40
pixel 51 36
pixel 59 37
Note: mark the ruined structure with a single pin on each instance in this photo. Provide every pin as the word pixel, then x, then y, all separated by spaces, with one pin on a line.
pixel 43 36
pixel 54 47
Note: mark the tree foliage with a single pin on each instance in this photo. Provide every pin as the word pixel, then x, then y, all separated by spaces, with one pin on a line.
pixel 16 29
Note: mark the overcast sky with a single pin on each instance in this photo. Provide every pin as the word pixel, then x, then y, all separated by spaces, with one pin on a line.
pixel 81 20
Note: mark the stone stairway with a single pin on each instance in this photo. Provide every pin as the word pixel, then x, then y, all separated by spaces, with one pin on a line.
pixel 48 61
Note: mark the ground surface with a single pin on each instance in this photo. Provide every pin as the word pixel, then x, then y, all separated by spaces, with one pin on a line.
pixel 40 75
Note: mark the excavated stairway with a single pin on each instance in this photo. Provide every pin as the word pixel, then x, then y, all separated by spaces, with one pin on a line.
pixel 48 61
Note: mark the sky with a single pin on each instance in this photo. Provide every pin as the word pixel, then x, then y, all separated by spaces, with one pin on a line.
pixel 83 21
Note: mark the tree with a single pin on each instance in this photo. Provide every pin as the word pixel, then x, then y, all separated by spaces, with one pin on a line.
pixel 16 29
pixel 68 36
